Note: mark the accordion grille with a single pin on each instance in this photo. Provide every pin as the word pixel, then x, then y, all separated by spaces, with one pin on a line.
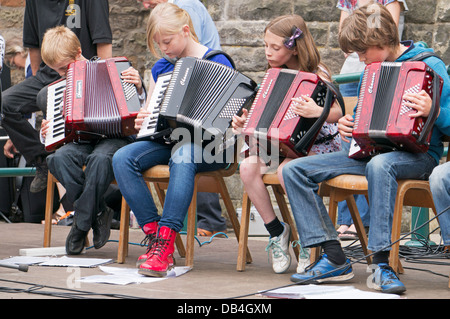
pixel 207 84
pixel 385 94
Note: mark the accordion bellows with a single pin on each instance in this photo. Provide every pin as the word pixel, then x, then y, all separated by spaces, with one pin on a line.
pixel 92 102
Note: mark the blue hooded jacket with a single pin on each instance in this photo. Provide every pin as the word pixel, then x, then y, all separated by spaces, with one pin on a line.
pixel 442 124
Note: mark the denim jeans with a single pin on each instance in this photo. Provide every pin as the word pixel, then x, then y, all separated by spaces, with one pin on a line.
pixel 184 161
pixel 85 189
pixel 303 175
pixel 344 217
pixel 440 188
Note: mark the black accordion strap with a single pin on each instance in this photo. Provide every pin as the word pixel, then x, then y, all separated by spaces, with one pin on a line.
pixel 208 56
pixel 337 94
pixel 423 55
pixel 212 53
pixel 332 91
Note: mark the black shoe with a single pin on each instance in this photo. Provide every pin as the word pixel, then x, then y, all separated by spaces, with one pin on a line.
pixel 75 241
pixel 39 182
pixel 102 227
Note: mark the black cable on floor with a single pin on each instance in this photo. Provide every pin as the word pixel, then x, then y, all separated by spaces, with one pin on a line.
pixel 60 292
pixel 358 259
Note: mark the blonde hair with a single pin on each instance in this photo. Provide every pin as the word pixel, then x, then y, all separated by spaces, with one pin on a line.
pixel 12 48
pixel 369 26
pixel 167 18
pixel 59 44
pixel 308 54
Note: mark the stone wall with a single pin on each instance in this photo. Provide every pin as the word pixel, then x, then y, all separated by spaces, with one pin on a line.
pixel 241 24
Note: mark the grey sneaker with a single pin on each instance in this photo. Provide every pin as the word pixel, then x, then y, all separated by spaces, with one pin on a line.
pixel 39 182
pixel 278 251
pixel 304 259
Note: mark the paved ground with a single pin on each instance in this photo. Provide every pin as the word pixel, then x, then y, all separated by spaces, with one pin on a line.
pixel 214 275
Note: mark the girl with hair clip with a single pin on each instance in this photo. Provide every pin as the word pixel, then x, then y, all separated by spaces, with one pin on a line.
pixel 288 44
pixel 170 27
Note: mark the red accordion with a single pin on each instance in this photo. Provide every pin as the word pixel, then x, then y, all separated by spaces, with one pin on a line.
pixel 382 121
pixel 272 119
pixel 92 102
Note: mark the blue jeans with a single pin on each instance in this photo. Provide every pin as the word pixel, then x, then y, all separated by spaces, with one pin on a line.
pixel 184 162
pixel 344 217
pixel 349 89
pixel 440 187
pixel 303 175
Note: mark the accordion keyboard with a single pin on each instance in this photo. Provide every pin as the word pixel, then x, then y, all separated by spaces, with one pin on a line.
pixel 55 116
pixel 150 123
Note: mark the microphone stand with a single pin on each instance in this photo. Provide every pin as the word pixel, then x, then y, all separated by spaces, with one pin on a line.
pixel 21 267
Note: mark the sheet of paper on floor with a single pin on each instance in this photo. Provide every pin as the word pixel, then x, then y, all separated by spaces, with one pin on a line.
pixel 63 261
pixel 325 292
pixel 125 276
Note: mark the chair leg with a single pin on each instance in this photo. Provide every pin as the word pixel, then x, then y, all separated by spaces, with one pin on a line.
pixel 315 254
pixel 190 229
pixel 49 210
pixel 360 230
pixel 333 206
pixel 243 242
pixel 231 213
pixel 332 212
pixel 180 246
pixel 123 232
pixel 396 231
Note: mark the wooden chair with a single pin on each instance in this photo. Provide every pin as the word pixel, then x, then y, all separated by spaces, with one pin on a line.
pixel 210 182
pixel 51 182
pixel 410 192
pixel 272 181
pixel 342 188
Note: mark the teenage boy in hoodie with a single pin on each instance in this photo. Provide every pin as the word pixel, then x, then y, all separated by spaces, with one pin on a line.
pixel 373 35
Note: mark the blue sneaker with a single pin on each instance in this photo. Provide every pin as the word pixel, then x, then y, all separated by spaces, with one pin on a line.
pixel 385 279
pixel 324 271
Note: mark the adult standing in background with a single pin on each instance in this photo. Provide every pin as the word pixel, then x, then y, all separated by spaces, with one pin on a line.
pixel 209 213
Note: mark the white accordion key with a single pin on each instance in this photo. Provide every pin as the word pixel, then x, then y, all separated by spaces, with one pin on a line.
pixel 55 104
pixel 154 107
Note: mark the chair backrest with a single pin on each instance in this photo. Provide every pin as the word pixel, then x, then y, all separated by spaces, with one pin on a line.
pixel 350 103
